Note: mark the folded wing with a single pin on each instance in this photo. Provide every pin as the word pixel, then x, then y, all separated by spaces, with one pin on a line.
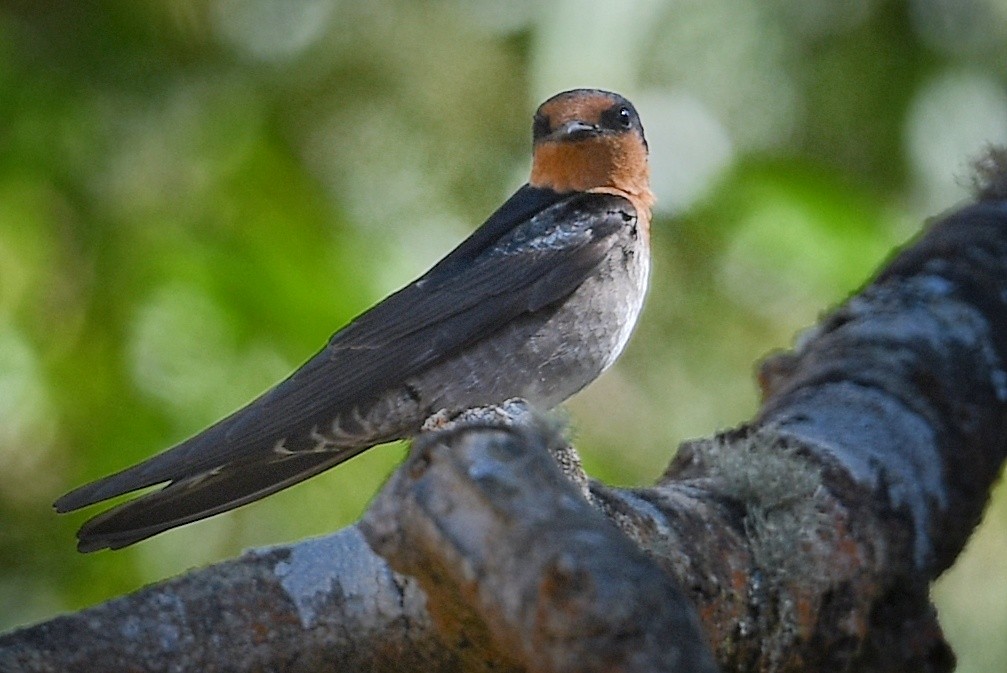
pixel 528 266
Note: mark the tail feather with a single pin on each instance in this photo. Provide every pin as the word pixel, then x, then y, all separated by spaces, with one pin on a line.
pixel 174 464
pixel 199 497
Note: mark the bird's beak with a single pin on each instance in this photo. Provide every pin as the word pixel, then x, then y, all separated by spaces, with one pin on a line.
pixel 575 130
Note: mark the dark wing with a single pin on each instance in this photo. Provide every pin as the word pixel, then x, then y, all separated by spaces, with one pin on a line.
pixel 464 298
pixel 522 206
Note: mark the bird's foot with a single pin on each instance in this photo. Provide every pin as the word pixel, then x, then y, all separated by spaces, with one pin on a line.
pixel 514 410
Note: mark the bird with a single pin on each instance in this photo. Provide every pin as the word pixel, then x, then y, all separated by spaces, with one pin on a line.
pixel 536 303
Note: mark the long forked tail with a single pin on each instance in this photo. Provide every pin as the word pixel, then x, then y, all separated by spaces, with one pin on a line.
pixel 193 498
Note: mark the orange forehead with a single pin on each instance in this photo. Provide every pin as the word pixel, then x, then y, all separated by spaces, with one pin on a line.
pixel 586 107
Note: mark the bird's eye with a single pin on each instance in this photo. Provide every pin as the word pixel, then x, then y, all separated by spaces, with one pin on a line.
pixel 540 127
pixel 618 118
pixel 624 118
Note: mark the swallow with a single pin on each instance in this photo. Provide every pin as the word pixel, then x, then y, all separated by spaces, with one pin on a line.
pixel 535 304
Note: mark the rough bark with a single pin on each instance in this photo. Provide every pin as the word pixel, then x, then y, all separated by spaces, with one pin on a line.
pixel 327 604
pixel 804 541
pixel 515 560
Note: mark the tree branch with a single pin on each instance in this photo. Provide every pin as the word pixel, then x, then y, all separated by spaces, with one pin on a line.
pixel 514 559
pixel 323 604
pixel 805 541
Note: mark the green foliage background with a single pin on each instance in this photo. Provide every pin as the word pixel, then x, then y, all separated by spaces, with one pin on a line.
pixel 195 193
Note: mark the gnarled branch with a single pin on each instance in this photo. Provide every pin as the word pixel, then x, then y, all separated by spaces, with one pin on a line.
pixel 805 540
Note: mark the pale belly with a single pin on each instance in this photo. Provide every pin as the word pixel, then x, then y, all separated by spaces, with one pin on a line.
pixel 547 358
pixel 543 357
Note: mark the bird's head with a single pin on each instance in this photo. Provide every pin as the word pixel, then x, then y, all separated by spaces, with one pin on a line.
pixel 589 140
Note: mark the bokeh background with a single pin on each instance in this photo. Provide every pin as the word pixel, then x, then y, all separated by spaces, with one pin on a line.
pixel 195 193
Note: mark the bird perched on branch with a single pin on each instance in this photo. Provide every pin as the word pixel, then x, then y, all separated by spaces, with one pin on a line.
pixel 536 303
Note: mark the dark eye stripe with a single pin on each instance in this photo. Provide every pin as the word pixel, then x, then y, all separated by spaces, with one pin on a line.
pixel 540 127
pixel 618 118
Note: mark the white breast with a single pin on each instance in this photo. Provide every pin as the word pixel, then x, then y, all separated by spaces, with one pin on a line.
pixel 639 276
